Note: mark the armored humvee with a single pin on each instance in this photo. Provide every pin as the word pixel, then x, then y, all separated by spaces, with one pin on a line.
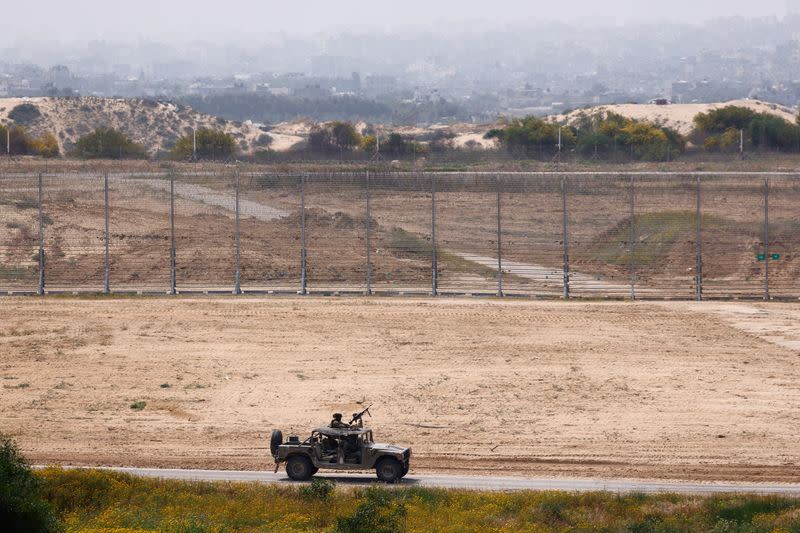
pixel 343 449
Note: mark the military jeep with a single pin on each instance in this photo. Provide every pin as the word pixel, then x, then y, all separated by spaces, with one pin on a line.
pixel 343 449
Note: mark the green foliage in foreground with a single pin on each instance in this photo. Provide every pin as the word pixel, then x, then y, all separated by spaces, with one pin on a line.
pixel 104 501
pixel 21 505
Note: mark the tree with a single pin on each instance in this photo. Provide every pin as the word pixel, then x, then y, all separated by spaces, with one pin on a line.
pixel 108 143
pixel 46 145
pixel 723 128
pixel 720 120
pixel 24 114
pixel 532 135
pixel 211 144
pixel 22 507
pixel 345 135
pixel 336 136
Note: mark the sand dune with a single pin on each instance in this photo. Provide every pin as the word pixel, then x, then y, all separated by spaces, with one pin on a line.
pixel 678 116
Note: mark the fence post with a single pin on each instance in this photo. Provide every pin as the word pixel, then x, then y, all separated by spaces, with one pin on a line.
pixel 237 289
pixel 173 285
pixel 40 288
pixel 303 286
pixel 698 282
pixel 434 258
pixel 107 259
pixel 565 236
pixel 632 238
pixel 766 239
pixel 499 240
pixel 368 229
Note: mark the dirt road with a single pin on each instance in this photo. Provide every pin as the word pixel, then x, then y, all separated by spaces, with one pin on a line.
pixel 611 390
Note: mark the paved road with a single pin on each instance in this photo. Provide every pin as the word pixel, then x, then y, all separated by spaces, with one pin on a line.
pixel 483 483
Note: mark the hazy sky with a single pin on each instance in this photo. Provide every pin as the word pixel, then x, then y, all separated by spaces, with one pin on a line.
pixel 84 20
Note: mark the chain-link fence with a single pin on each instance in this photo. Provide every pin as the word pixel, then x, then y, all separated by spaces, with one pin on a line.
pixel 609 235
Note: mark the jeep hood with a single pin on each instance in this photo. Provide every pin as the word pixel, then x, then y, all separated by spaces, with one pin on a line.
pixel 387 448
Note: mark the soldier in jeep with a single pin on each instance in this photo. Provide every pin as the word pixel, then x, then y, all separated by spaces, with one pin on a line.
pixel 337 422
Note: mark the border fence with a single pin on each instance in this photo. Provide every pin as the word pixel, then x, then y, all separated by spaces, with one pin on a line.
pixel 559 235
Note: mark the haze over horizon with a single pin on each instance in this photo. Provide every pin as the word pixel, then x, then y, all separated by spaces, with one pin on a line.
pixel 244 20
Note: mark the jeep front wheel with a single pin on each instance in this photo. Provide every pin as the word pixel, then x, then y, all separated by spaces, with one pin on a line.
pixel 299 468
pixel 389 470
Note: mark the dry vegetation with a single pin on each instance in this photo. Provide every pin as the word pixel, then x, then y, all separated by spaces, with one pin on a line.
pixel 156 125
pixel 102 501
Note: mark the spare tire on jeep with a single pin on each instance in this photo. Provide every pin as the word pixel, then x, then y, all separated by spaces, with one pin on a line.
pixel 275 441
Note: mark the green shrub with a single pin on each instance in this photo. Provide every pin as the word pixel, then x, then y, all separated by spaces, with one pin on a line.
pixel 107 143
pixel 138 406
pixel 24 114
pixel 320 489
pixel 21 505
pixel 380 511
pixel 211 144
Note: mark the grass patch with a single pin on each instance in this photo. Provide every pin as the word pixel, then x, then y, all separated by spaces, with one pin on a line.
pixel 138 406
pixel 18 386
pixel 88 500
pixel 655 235
pixel 402 242
pixel 26 203
pixel 14 273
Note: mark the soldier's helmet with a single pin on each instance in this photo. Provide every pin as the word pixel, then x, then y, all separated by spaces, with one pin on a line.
pixel 337 416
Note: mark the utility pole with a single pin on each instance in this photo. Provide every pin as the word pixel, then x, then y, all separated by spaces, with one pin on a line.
pixel 40 289
pixel 107 262
pixel 766 239
pixel 369 245
pixel 237 288
pixel 499 241
pixel 565 227
pixel 558 159
pixel 632 238
pixel 173 281
pixel 194 144
pixel 303 273
pixel 434 258
pixel 698 268
pixel 741 144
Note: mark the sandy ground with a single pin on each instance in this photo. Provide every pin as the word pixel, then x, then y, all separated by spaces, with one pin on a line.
pixel 674 390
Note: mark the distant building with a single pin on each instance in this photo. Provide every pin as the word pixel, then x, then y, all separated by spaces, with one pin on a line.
pixel 380 85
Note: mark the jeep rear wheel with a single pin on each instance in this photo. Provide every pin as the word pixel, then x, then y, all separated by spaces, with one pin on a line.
pixel 299 468
pixel 389 470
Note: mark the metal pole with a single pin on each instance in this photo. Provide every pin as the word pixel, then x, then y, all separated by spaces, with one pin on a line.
pixel 766 239
pixel 107 270
pixel 369 251
pixel 499 242
pixel 173 289
pixel 434 258
pixel 632 239
pixel 237 288
pixel 303 281
pixel 565 236
pixel 40 289
pixel 698 283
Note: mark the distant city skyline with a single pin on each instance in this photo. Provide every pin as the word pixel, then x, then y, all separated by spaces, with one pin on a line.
pixel 245 20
